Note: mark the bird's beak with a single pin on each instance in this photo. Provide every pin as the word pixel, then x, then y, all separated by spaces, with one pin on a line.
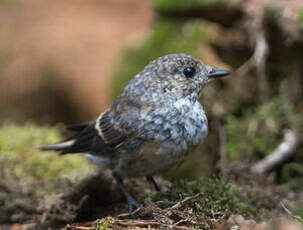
pixel 217 73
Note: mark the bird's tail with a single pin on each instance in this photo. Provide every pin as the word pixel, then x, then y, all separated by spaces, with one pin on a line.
pixel 61 146
pixel 66 146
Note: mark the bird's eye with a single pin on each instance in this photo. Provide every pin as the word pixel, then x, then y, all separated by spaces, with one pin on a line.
pixel 189 71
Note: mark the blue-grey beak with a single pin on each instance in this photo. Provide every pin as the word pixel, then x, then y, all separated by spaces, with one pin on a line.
pixel 217 73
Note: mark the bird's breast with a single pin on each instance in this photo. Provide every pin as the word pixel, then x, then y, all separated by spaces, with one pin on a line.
pixel 193 122
pixel 183 123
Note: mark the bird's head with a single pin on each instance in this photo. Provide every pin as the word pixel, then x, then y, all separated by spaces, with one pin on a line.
pixel 177 74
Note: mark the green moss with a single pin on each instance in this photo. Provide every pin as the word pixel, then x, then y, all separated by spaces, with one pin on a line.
pixel 218 199
pixel 21 157
pixel 258 131
pixel 301 16
pixel 175 5
pixel 298 212
pixel 30 173
pixel 255 134
pixel 300 23
pixel 167 37
pixel 105 223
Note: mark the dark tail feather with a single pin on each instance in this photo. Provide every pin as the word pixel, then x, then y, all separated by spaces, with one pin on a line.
pixel 62 146
pixel 80 142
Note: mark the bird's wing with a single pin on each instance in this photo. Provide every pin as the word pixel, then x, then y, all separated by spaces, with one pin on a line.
pixel 114 128
pixel 113 133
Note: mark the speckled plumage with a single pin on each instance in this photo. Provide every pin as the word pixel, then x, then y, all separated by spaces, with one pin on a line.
pixel 159 110
pixel 155 122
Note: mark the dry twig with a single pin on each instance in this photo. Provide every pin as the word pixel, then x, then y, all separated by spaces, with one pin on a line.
pixel 287 210
pixel 177 205
pixel 148 223
pixel 283 152
pixel 80 227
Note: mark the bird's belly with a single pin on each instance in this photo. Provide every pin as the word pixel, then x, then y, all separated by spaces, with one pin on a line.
pixel 152 158
pixel 157 157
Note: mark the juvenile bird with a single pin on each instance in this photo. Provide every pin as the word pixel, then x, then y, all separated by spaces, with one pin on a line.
pixel 152 125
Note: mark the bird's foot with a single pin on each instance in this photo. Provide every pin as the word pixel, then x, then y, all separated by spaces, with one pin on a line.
pixel 133 205
pixel 152 180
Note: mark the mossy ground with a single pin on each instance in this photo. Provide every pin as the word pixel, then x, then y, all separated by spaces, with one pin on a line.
pixel 105 223
pixel 218 199
pixel 27 173
pixel 173 5
pixel 200 204
pixel 20 154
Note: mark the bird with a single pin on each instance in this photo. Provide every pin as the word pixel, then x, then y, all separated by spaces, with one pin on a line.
pixel 152 126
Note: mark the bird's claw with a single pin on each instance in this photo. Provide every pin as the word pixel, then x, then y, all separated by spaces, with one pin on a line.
pixel 133 205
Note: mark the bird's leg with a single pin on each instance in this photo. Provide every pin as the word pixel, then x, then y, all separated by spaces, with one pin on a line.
pixel 132 203
pixel 152 180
